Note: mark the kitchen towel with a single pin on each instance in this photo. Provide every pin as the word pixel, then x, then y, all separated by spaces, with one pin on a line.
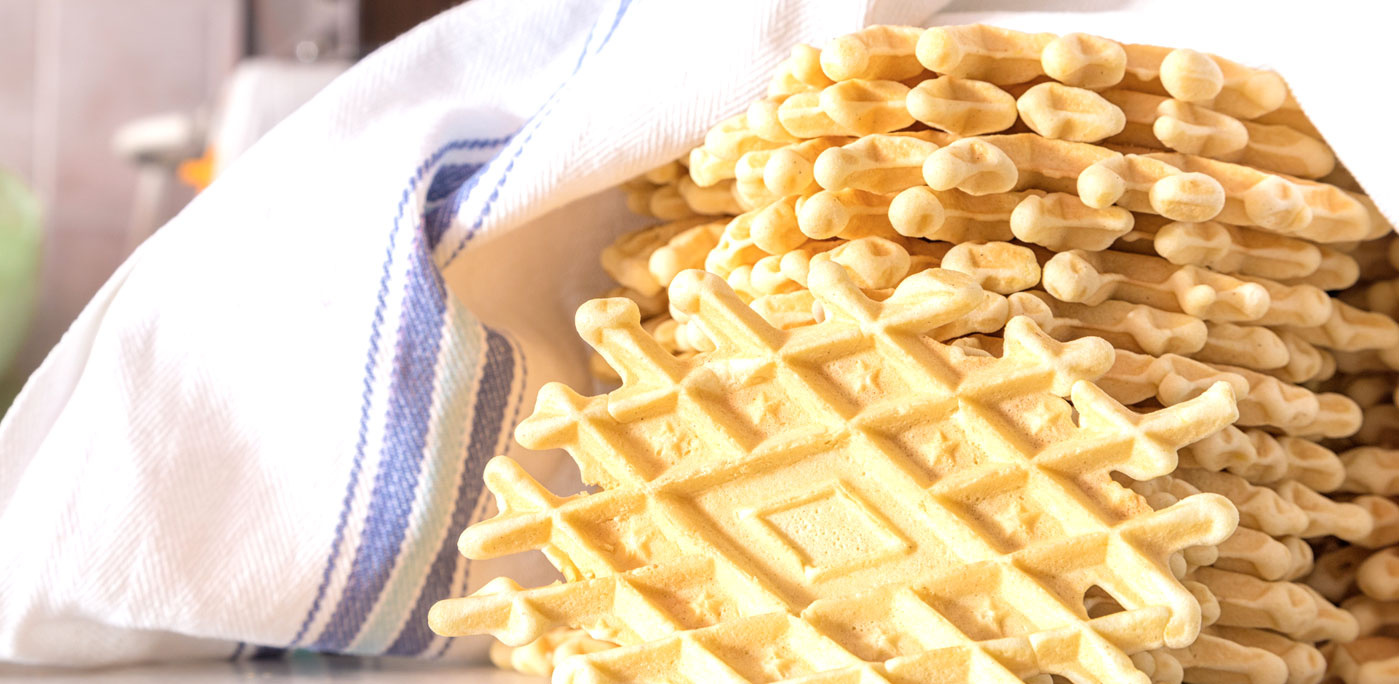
pixel 268 428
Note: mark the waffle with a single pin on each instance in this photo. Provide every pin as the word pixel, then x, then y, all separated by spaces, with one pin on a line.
pixel 1233 249
pixel 1263 458
pixel 628 258
pixel 1175 186
pixel 877 52
pixel 1176 205
pixel 766 176
pixel 800 72
pixel 1371 470
pixel 684 250
pixel 539 657
pixel 1263 400
pixel 1061 222
pixel 1368 660
pixel 1374 657
pixel 1094 277
pixel 1350 329
pixel 1127 326
pixel 962 106
pixel 875 163
pixel 999 267
pixel 1155 121
pixel 1336 271
pixel 1054 110
pixel 1277 203
pixel 853 580
pixel 1084 61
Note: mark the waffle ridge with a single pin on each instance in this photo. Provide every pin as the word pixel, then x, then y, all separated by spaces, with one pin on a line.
pixel 847 501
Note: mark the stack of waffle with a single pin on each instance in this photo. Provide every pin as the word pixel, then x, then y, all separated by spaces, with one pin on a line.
pixel 987 192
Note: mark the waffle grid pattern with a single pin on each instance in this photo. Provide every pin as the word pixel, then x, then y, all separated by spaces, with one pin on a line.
pixel 849 501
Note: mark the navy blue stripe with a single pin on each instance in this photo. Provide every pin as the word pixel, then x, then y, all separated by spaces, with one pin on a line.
pixel 487 428
pixel 533 124
pixel 475 497
pixel 371 370
pixel 355 602
pixel 237 651
pixel 396 482
pixel 448 178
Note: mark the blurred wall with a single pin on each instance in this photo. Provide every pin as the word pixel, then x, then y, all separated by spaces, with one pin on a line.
pixel 71 73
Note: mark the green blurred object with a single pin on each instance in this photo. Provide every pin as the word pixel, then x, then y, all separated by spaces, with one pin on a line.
pixel 20 238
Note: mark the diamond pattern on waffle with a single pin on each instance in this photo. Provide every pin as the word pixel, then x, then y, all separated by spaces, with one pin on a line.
pixel 772 488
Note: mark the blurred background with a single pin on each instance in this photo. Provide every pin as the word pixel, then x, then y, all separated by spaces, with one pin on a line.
pixel 113 113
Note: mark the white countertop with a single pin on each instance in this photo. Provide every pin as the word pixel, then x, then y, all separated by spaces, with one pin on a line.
pixel 301 668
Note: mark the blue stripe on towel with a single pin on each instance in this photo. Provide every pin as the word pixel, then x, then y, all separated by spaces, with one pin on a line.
pixel 529 129
pixel 492 398
pixel 395 484
pixel 448 178
pixel 372 362
pixel 410 392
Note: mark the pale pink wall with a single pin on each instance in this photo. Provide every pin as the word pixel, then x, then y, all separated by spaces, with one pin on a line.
pixel 71 73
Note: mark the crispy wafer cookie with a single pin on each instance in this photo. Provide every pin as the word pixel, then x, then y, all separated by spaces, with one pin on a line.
pixel 804 444
pixel 541 656
pixel 1164 200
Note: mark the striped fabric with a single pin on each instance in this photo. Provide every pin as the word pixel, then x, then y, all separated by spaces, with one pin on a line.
pixel 444 391
pixel 434 372
pixel 267 430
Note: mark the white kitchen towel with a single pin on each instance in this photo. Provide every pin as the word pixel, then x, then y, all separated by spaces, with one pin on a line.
pixel 267 430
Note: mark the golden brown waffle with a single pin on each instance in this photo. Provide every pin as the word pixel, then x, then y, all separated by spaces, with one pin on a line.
pixel 1241 654
pixel 1127 326
pixel 1255 602
pixel 1349 329
pixel 1379 426
pixel 1378 575
pixel 799 72
pixel 1381 296
pixel 1094 277
pixel 1368 660
pixel 1385 512
pixel 766 176
pixel 778 441
pixel 1142 328
pixel 1263 400
pixel 988 53
pixel 876 163
pixel 1233 249
pixel 1292 609
pixel 1154 121
pixel 628 259
pixel 1336 271
pixel 962 106
pixel 1008 57
pixel 539 657
pixel 876 52
pixel 1060 222
pixel 1374 657
pixel 1279 203
pixel 999 267
pixel 1371 470
pixel 1177 186
pixel 1263 458
pixel 1374 616
pixel 1064 112
pixel 669 193
pixel 1155 198
pixel 685 250
pixel 1334 574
